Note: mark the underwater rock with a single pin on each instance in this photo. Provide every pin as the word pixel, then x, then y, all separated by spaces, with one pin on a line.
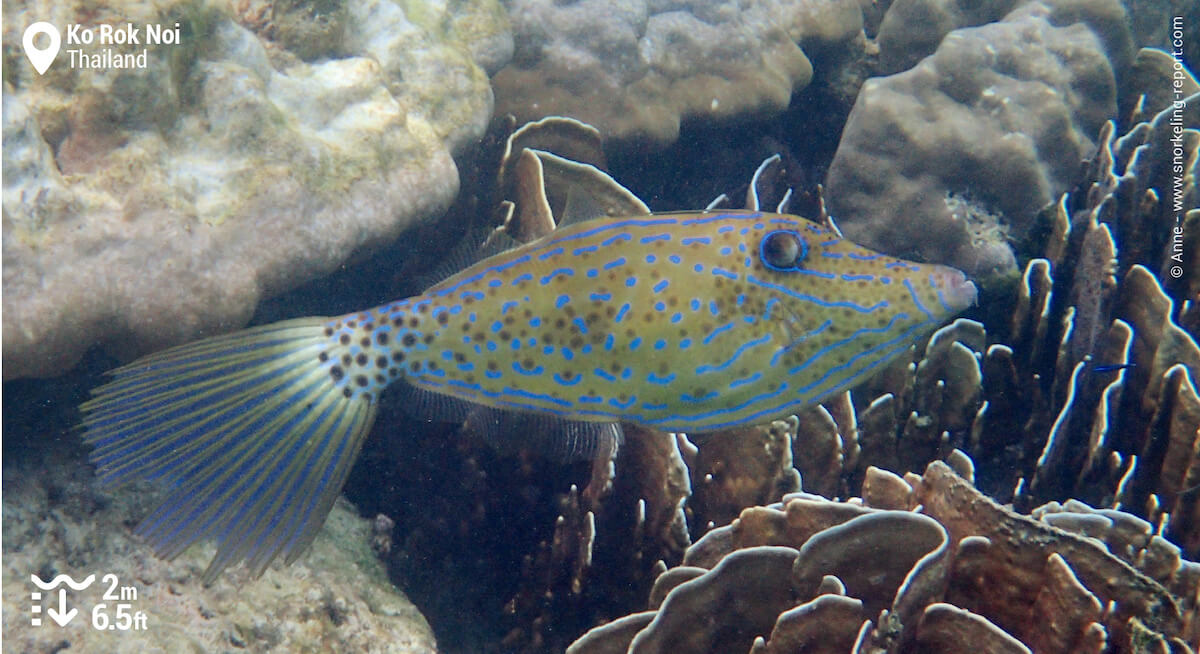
pixel 973 140
pixel 638 68
pixel 144 207
pixel 336 597
pixel 962 565
pixel 912 29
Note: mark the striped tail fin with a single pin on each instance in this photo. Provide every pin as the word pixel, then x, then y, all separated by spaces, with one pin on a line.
pixel 252 434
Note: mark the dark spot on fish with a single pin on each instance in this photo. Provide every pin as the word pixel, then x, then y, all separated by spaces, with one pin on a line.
pixel 508 320
pixel 329 331
pixel 351 324
pixel 346 360
pixel 361 380
pixel 337 373
pixel 398 322
pixel 323 357
pixel 615 367
pixel 344 339
pixel 382 338
pixel 491 365
pixel 569 310
pixel 413 322
pixel 610 311
pixel 505 335
pixel 365 342
pixel 591 319
pixel 361 359
pixel 528 313
pixel 662 368
pixel 648 317
pixel 560 323
pixel 423 308
pixel 347 392
pixel 381 362
pixel 397 356
pixel 479 337
pixel 393 371
pixel 379 379
pixel 672 301
pixel 459 357
pixel 470 299
pixel 409 339
pixel 548 338
pixel 443 318
pixel 629 333
pixel 576 341
pixel 528 364
pixel 428 339
pixel 370 326
pixel 470 379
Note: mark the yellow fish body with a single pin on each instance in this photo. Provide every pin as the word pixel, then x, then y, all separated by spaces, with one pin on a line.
pixel 683 322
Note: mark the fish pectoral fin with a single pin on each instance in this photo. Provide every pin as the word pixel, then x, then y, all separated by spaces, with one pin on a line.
pixel 250 433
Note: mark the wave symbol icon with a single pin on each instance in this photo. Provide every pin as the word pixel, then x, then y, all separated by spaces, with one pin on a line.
pixel 62 579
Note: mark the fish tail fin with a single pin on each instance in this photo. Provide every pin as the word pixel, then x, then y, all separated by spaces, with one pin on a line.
pixel 250 431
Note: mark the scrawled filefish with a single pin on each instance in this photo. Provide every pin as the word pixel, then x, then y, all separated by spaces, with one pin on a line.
pixel 685 322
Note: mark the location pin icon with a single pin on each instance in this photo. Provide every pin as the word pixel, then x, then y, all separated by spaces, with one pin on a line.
pixel 41 58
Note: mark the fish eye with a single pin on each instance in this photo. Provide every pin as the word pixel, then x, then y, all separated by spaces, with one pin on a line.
pixel 782 250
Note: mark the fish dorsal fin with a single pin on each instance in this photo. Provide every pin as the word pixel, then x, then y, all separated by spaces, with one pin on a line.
pixel 479 244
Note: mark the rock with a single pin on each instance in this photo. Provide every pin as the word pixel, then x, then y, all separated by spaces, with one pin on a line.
pixel 637 68
pixel 973 141
pixel 146 207
pixel 336 597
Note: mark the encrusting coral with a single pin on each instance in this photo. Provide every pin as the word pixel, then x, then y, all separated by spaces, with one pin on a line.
pixel 998 117
pixel 639 69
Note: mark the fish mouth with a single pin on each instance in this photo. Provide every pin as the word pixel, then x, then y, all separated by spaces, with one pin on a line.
pixel 958 293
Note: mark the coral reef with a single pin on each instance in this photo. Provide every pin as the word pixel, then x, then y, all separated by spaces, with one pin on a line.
pixel 146 206
pixel 998 118
pixel 1042 416
pixel 812 574
pixel 57 521
pixel 639 68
